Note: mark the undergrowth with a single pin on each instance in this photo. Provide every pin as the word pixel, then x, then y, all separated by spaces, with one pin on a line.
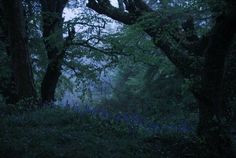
pixel 61 133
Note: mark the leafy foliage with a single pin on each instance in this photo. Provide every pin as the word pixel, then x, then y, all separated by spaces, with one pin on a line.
pixel 146 82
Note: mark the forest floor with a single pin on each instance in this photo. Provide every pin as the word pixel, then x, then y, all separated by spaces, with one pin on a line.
pixel 65 133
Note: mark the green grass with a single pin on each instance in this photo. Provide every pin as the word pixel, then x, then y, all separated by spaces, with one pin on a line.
pixel 60 133
pixel 64 133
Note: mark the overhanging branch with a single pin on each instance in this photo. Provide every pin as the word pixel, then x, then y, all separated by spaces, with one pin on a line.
pixel 183 61
pixel 112 12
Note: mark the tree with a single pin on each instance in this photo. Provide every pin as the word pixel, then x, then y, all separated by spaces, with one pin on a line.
pixel 55 45
pixel 7 86
pixel 200 59
pixel 17 50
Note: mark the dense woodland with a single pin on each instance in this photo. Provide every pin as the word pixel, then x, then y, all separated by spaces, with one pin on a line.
pixel 117 78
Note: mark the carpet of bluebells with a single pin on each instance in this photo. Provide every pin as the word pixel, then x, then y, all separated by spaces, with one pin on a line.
pixel 135 120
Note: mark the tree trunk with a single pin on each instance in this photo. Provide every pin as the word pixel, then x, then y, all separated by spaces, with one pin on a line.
pixel 50 81
pixel 7 82
pixel 230 95
pixel 213 131
pixel 18 49
pixel 53 38
pixel 212 122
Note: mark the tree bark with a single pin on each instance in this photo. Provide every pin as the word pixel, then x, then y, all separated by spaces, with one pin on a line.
pixel 18 49
pixel 212 124
pixel 53 38
pixel 7 86
pixel 50 81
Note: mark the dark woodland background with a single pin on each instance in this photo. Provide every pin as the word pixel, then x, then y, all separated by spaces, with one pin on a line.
pixel 117 78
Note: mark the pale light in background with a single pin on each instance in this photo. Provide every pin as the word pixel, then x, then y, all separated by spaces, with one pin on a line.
pixel 71 13
pixel 111 27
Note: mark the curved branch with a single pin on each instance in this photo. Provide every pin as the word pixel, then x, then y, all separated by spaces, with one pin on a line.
pixel 183 61
pixel 112 12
